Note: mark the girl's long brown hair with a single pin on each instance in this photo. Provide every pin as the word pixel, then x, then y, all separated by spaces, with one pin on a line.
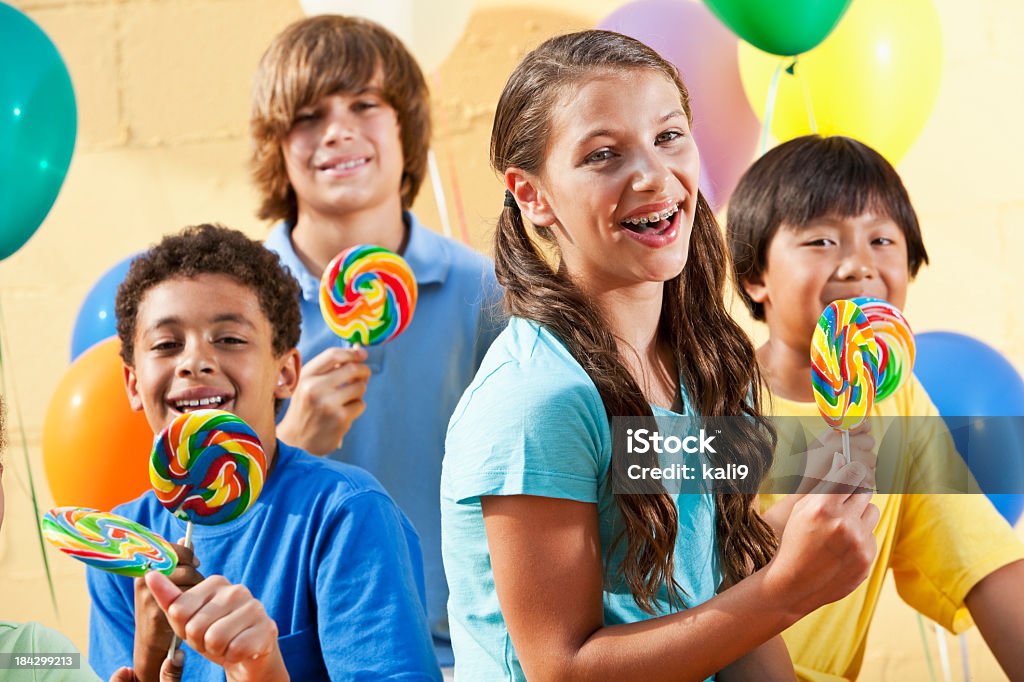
pixel 715 358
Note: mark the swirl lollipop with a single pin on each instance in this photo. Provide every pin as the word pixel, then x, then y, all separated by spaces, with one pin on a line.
pixel 368 295
pixel 108 541
pixel 896 346
pixel 207 467
pixel 844 365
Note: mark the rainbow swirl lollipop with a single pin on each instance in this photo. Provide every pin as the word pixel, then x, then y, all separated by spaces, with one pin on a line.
pixel 108 541
pixel 368 295
pixel 208 467
pixel 896 346
pixel 844 364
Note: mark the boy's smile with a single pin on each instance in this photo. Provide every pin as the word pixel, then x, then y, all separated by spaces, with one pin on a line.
pixel 826 260
pixel 204 342
pixel 344 153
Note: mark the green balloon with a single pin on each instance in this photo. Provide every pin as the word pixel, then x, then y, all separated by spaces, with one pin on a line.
pixel 38 121
pixel 783 27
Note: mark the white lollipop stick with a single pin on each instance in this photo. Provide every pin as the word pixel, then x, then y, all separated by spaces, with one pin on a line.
pixel 175 640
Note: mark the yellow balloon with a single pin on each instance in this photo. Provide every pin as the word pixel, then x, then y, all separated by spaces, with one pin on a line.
pixel 875 78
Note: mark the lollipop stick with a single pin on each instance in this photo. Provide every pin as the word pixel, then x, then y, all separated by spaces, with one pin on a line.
pixel 846 446
pixel 175 640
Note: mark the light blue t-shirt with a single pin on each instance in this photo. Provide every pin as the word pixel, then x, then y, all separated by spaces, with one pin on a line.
pixel 330 556
pixel 416 381
pixel 533 423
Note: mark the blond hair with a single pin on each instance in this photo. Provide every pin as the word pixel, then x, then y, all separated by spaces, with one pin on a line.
pixel 320 56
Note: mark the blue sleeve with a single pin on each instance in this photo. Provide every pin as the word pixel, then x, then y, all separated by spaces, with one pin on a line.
pixel 372 619
pixel 111 621
pixel 528 431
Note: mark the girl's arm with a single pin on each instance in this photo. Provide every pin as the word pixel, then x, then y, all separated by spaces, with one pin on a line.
pixel 769 662
pixel 546 557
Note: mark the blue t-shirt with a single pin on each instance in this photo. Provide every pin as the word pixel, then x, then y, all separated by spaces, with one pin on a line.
pixel 327 552
pixel 533 423
pixel 417 379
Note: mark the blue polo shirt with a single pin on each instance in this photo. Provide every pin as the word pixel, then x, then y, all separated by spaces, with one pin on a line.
pixel 416 381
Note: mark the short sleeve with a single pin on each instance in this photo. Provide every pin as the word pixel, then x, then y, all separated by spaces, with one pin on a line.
pixel 946 545
pixel 372 620
pixel 528 430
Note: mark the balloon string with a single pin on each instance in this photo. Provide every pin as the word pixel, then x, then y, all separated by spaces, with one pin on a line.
pixel 5 343
pixel 457 198
pixel 965 660
pixel 769 107
pixel 435 182
pixel 442 119
pixel 927 649
pixel 940 638
pixel 808 102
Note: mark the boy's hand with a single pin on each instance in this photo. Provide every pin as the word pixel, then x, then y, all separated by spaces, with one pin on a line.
pixel 327 400
pixel 828 544
pixel 224 623
pixel 170 670
pixel 821 451
pixel 152 632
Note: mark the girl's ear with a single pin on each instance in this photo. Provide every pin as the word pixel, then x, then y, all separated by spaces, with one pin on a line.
pixel 288 369
pixel 530 195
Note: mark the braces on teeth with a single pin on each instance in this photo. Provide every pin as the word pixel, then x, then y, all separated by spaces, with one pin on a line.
pixel 653 218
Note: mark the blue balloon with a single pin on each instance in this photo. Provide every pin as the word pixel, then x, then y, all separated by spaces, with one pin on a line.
pixel 96 320
pixel 969 381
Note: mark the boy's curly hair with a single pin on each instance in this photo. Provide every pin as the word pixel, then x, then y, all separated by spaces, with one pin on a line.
pixel 216 250
pixel 321 56
pixel 805 179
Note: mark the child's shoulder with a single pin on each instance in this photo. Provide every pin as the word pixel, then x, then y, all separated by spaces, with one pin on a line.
pixel 145 509
pixel 322 476
pixel 462 261
pixel 527 366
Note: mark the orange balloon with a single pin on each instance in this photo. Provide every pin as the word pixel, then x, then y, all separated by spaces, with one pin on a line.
pixel 95 447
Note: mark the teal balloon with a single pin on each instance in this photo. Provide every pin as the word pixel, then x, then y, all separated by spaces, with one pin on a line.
pixel 783 27
pixel 38 122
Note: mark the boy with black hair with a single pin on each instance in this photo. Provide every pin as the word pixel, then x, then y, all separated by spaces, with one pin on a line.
pixel 816 220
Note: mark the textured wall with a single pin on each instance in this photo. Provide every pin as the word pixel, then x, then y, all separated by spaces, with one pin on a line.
pixel 162 88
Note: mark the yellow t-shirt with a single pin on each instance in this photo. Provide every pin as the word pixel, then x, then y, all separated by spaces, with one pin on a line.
pixel 938 546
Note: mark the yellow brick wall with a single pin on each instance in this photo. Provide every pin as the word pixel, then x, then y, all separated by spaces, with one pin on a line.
pixel 162 89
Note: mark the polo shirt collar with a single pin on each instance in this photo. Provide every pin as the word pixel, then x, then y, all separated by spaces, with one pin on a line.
pixel 425 252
